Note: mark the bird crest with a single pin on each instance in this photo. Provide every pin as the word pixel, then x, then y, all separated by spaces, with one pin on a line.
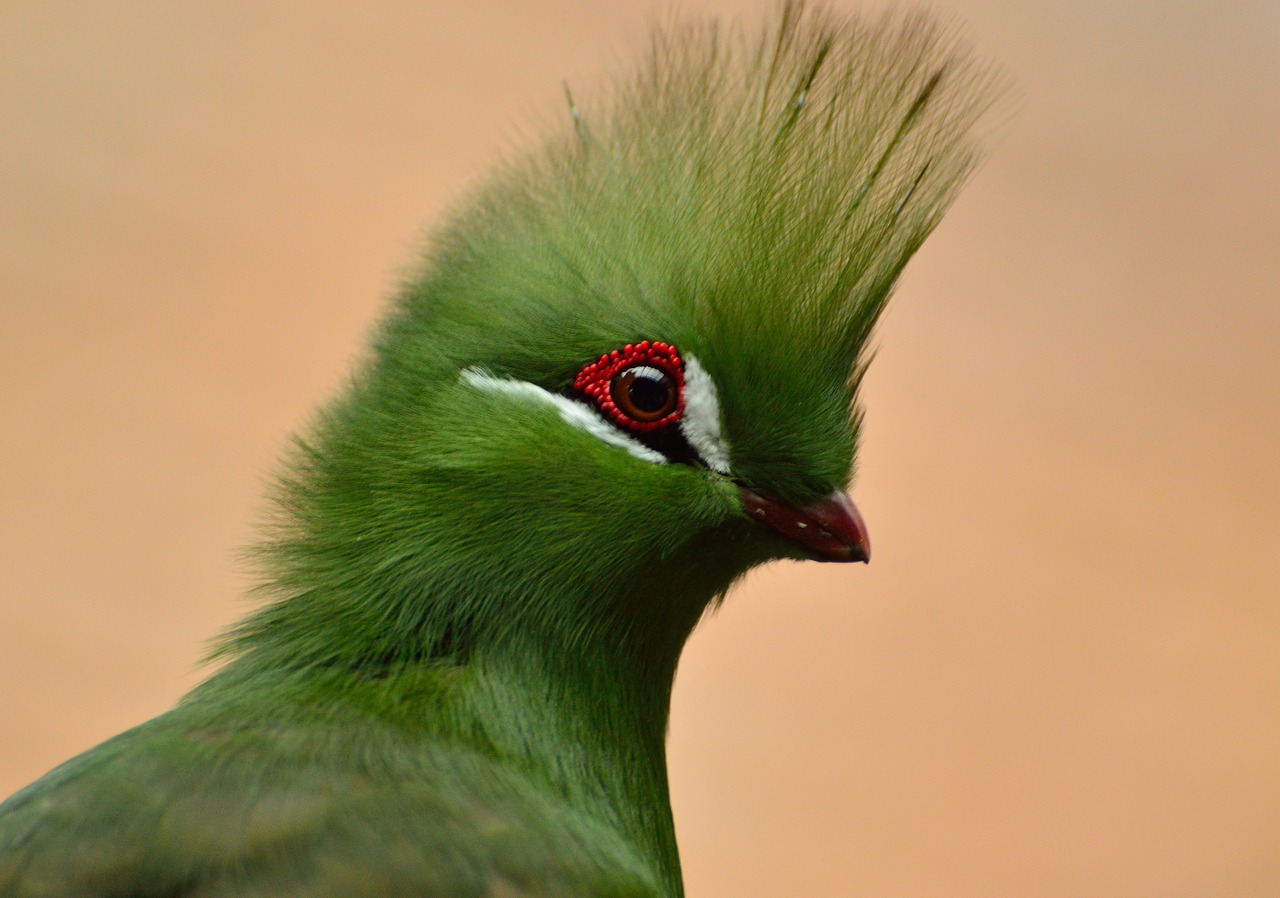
pixel 750 197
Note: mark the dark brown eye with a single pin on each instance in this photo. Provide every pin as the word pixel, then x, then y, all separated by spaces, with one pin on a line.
pixel 639 387
pixel 644 393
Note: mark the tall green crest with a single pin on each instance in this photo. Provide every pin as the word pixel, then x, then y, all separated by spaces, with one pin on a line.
pixel 755 191
pixel 810 160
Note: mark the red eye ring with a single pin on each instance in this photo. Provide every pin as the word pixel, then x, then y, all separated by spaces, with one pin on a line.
pixel 597 381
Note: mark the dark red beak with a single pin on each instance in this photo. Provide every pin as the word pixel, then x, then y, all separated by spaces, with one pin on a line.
pixel 831 528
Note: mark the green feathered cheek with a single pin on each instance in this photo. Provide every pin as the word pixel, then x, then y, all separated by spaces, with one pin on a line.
pixel 507 482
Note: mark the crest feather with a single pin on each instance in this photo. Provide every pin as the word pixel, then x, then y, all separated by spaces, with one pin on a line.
pixel 779 179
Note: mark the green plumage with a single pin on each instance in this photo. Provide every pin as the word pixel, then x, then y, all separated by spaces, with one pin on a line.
pixel 458 683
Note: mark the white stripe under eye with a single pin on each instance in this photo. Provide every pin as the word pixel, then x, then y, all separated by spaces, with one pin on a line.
pixel 577 414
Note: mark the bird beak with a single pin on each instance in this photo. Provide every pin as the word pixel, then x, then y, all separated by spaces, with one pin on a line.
pixel 831 528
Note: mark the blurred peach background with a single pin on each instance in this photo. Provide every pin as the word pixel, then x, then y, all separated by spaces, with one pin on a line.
pixel 1061 674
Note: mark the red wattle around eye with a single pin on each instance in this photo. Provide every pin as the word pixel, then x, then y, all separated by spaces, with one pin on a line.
pixel 597 381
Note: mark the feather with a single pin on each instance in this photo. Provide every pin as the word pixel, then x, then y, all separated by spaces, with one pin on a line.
pixel 476 587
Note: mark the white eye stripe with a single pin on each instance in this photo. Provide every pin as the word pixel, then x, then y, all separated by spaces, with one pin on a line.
pixel 577 414
pixel 700 423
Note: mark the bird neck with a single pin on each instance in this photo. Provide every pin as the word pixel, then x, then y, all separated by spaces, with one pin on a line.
pixel 590 724
pixel 568 681
pixel 586 708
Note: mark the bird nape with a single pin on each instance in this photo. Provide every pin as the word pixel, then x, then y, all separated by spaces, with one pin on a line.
pixel 625 373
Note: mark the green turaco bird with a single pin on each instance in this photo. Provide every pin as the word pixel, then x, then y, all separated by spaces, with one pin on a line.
pixel 625 374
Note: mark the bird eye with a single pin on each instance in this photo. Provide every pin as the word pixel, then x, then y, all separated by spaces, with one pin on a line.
pixel 639 387
pixel 644 393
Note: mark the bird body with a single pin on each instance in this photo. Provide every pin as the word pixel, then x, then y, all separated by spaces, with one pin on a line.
pixel 626 373
pixel 258 797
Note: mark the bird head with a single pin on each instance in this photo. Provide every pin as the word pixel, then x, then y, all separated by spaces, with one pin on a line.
pixel 628 368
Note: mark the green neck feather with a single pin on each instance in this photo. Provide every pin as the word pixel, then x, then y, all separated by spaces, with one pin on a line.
pixel 559 656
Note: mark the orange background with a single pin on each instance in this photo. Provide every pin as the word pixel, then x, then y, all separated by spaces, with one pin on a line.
pixel 1061 674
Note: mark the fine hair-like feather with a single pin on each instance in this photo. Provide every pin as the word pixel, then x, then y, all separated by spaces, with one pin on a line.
pixel 778 180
